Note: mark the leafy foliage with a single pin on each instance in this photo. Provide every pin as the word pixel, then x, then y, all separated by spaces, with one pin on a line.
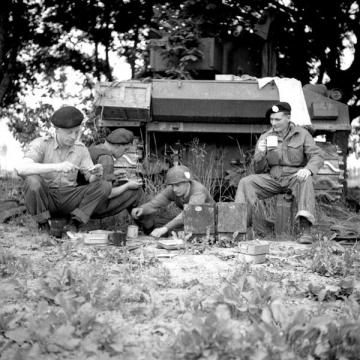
pixel 331 259
pixel 249 321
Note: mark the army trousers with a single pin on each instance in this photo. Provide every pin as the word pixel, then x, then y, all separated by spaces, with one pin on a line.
pixel 79 202
pixel 125 201
pixel 263 186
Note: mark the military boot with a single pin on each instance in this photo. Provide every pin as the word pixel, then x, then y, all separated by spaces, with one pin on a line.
pixel 305 231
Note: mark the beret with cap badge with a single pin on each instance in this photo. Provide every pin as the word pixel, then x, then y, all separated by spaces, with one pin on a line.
pixel 67 117
pixel 279 107
pixel 120 137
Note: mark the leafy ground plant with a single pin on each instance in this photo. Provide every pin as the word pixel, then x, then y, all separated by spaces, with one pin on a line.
pixel 332 259
pixel 10 265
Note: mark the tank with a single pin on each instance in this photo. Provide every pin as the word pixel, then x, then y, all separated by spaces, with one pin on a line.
pixel 219 117
pixel 222 117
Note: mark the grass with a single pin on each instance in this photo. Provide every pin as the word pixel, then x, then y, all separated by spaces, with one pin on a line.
pixel 102 302
pixel 11 187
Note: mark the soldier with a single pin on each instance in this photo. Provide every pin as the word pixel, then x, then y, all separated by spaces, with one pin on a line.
pixel 182 189
pixel 50 168
pixel 126 195
pixel 114 146
pixel 286 158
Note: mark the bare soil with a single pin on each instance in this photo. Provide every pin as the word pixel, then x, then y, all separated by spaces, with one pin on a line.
pixel 61 299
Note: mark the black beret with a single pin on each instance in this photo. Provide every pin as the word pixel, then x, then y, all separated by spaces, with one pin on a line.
pixel 279 107
pixel 120 136
pixel 67 117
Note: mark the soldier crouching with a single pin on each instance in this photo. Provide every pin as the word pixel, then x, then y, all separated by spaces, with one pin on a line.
pixel 50 168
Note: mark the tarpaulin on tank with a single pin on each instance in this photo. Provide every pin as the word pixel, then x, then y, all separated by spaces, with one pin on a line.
pixel 290 90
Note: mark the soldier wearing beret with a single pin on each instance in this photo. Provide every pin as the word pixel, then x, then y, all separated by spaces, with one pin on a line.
pixel 115 145
pixel 126 195
pixel 50 168
pixel 286 158
pixel 182 189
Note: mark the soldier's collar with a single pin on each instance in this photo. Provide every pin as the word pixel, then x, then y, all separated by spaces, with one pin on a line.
pixel 56 144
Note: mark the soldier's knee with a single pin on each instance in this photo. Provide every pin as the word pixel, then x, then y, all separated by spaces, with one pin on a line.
pixel 245 181
pixel 105 187
pixel 33 183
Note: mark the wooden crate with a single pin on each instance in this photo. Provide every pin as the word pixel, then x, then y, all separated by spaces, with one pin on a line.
pixel 199 219
pixel 231 217
pixel 284 219
pixel 125 103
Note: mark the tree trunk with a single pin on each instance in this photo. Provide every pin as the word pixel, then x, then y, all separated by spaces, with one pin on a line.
pixel 133 55
pixel 97 72
pixel 108 73
pixel 4 76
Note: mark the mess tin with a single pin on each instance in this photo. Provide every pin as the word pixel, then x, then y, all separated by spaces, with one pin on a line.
pixel 271 142
pixel 117 239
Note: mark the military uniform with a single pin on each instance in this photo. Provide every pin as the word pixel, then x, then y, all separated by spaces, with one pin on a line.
pixel 276 168
pixel 100 154
pixel 198 194
pixel 57 193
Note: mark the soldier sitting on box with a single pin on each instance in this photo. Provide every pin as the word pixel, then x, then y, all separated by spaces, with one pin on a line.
pixel 182 189
pixel 125 193
pixel 50 167
pixel 116 144
pixel 286 157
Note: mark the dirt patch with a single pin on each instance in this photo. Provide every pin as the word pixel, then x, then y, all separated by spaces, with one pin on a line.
pixel 63 299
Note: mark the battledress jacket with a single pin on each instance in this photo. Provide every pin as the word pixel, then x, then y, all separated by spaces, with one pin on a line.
pixel 297 149
pixel 198 194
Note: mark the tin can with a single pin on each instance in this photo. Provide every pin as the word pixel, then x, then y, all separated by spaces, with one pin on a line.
pixel 117 238
pixel 132 232
pixel 57 226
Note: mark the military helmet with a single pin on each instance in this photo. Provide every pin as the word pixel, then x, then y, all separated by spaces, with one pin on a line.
pixel 178 174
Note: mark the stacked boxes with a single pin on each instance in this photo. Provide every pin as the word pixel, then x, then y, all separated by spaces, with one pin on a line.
pixel 253 252
pixel 231 218
pixel 221 219
pixel 199 219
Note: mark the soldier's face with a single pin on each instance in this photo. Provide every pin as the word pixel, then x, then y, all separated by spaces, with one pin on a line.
pixel 279 121
pixel 120 149
pixel 180 189
pixel 67 137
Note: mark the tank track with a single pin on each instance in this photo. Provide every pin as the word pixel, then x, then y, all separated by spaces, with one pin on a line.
pixel 329 182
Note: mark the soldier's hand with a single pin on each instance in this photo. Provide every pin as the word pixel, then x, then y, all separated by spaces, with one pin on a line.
pixel 134 184
pixel 66 167
pixel 158 232
pixel 97 170
pixel 262 145
pixel 303 174
pixel 119 172
pixel 136 212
